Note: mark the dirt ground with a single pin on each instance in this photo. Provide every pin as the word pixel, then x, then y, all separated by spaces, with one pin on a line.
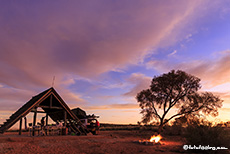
pixel 108 142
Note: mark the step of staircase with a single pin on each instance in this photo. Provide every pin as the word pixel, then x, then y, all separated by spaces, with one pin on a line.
pixel 1 129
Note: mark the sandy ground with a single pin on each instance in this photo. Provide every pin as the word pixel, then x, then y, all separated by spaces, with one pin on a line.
pixel 108 142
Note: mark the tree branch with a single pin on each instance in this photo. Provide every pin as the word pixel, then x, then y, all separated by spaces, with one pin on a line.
pixel 167 98
pixel 155 110
pixel 190 111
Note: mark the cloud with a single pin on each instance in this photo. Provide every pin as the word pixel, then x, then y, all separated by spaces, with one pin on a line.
pixel 42 39
pixel 113 106
pixel 212 72
pixel 82 39
pixel 124 106
pixel 173 53
pixel 11 99
pixel 108 85
pixel 71 98
pixel 159 65
pixel 140 82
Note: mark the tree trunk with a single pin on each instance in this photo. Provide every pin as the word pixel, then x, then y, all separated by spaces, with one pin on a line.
pixel 160 128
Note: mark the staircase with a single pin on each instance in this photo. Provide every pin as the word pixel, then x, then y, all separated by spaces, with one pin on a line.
pixel 78 127
pixel 14 118
pixel 21 112
pixel 9 122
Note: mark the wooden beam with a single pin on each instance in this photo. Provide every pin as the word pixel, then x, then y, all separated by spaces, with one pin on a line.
pixel 46 123
pixel 46 119
pixel 20 126
pixel 25 123
pixel 56 112
pixel 65 120
pixel 65 115
pixel 53 107
pixel 37 102
pixel 51 100
pixel 65 106
pixel 34 120
pixel 38 111
pixel 28 110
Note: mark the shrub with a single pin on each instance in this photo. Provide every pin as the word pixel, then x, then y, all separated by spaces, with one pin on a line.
pixel 204 134
pixel 173 130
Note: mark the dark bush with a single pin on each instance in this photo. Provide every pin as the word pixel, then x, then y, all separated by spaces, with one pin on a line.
pixel 202 133
pixel 173 130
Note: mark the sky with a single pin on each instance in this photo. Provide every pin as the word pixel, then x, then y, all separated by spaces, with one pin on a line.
pixel 103 52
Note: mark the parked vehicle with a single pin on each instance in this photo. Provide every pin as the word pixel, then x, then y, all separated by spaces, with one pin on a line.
pixel 90 122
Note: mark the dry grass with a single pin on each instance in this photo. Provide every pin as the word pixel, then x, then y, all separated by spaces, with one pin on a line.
pixel 109 142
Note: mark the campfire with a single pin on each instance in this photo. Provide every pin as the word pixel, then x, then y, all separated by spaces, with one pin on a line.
pixel 154 140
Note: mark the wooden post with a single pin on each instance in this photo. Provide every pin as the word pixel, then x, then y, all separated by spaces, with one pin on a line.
pixel 20 127
pixel 65 115
pixel 25 123
pixel 34 120
pixel 46 123
pixel 51 99
pixel 64 131
pixel 46 119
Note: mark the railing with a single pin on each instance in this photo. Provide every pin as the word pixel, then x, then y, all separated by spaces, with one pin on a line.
pixel 48 130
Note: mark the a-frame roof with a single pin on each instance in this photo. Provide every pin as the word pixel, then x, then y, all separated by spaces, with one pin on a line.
pixel 50 101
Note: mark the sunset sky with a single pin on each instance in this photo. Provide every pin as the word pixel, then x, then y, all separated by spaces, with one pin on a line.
pixel 103 52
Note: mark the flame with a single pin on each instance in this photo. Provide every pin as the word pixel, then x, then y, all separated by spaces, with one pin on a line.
pixel 155 138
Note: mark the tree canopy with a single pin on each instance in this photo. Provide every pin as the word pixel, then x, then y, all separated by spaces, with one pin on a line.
pixel 177 90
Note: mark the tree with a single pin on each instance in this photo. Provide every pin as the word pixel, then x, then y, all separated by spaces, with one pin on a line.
pixel 177 90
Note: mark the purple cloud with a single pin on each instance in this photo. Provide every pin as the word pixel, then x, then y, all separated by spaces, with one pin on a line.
pixel 42 39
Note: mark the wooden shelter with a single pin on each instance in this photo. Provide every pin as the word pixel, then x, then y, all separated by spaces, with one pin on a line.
pixel 52 105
